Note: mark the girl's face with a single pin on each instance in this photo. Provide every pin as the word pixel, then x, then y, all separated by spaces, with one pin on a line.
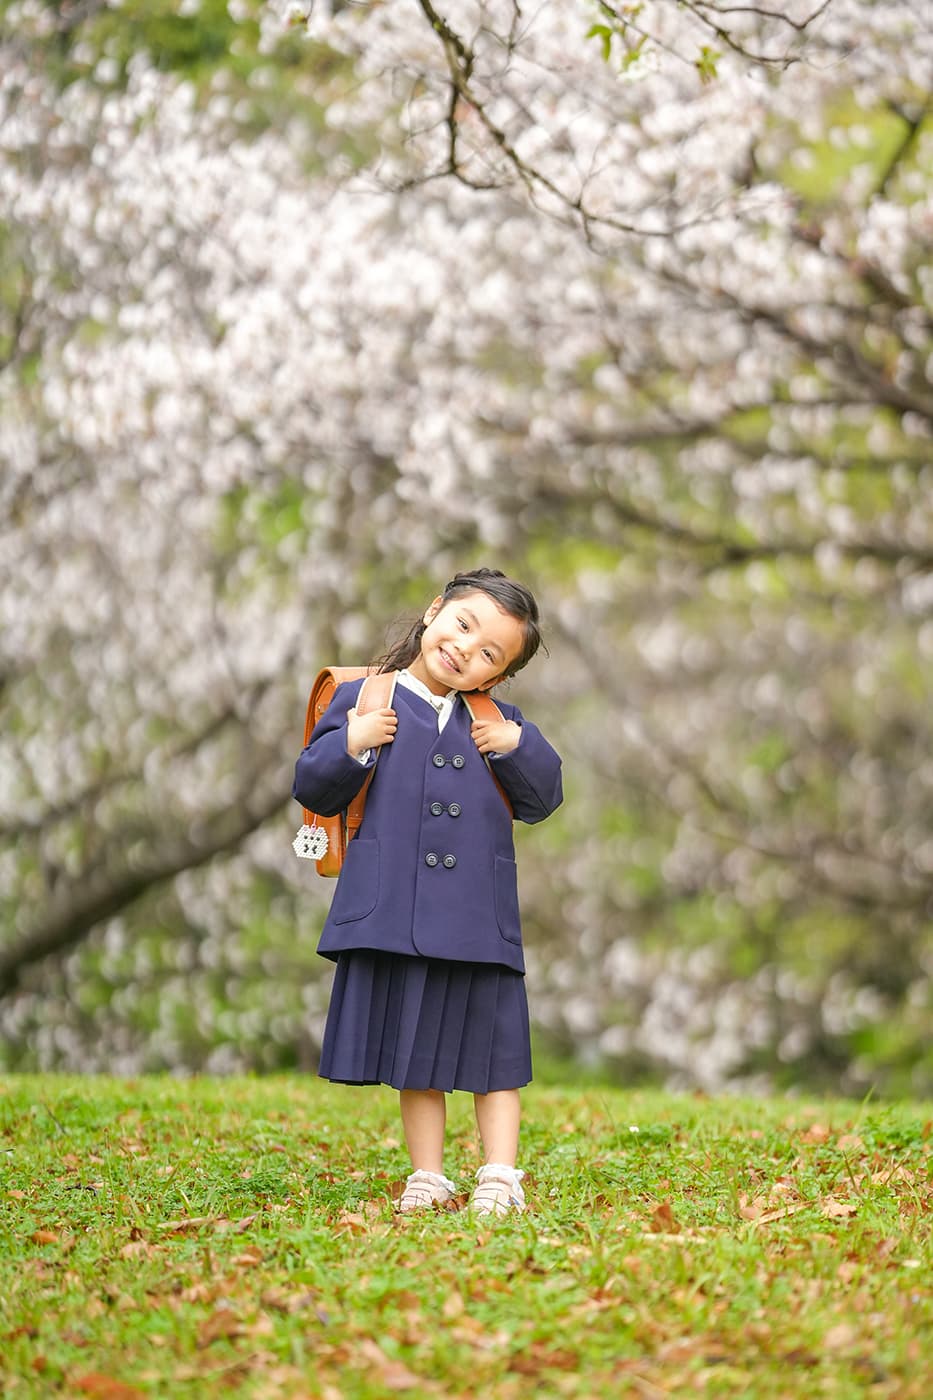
pixel 468 644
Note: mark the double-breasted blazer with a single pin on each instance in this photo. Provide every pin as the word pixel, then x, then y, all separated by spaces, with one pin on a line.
pixel 432 869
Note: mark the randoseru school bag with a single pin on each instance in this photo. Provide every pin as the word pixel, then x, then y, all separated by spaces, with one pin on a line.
pixel 324 839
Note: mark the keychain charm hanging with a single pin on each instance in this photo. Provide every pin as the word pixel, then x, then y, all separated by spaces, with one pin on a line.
pixel 310 843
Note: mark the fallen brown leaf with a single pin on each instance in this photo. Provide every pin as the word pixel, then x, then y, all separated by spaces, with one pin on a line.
pixel 106 1387
pixel 394 1375
pixel 539 1357
pixel 779 1214
pixel 352 1221
pixel 251 1255
pixel 191 1222
pixel 892 1173
pixel 842 1335
pixel 235 1227
pixel 453 1305
pixel 221 1323
pixel 138 1249
pixel 838 1210
pixel 663 1220
pixel 201 1292
pixel 287 1302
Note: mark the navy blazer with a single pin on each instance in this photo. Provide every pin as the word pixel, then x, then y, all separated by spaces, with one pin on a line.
pixel 432 869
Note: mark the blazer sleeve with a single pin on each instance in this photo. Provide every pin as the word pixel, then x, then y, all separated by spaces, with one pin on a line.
pixel 530 774
pixel 327 778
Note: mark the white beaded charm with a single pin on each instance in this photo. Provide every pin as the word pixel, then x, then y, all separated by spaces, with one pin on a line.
pixel 310 843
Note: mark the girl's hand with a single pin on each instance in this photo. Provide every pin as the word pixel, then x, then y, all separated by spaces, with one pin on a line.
pixel 370 731
pixel 495 736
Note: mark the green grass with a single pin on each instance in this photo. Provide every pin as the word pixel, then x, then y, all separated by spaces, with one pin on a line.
pixel 237 1238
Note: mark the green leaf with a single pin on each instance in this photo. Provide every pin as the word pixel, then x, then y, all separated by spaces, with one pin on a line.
pixel 603 32
pixel 633 53
pixel 706 64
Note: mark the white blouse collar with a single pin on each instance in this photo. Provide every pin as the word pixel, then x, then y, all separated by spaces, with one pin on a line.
pixel 442 704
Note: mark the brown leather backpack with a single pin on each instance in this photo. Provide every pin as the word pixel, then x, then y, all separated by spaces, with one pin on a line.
pixel 324 839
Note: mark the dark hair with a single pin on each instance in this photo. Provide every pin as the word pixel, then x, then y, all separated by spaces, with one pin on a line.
pixel 513 598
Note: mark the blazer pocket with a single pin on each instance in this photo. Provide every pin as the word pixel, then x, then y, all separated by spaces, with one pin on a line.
pixel 507 915
pixel 358 887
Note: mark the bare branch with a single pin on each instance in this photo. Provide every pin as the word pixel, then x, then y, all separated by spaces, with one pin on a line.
pixel 724 551
pixel 913 125
pixel 460 61
pixel 704 13
pixel 80 905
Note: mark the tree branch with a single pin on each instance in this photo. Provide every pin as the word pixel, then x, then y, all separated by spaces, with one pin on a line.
pixel 78 907
pixel 911 133
pixel 460 61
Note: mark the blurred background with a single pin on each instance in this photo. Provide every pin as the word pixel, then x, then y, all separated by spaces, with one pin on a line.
pixel 304 309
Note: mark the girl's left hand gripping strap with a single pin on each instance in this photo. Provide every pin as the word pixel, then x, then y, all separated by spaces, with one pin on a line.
pixel 312 842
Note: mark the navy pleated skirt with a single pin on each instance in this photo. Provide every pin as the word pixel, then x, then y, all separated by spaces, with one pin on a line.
pixel 426 1023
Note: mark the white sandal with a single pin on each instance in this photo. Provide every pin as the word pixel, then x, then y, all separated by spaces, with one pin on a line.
pixel 425 1189
pixel 498 1190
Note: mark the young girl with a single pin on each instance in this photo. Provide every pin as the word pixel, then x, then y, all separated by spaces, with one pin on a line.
pixel 429 992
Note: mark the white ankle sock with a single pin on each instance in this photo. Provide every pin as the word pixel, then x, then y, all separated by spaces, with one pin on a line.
pixel 513 1175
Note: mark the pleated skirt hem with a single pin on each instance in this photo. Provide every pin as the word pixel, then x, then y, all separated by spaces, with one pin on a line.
pixel 426 1023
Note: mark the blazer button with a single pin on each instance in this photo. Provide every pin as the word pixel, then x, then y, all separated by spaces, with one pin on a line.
pixel 450 862
pixel 458 760
pixel 454 809
pixel 431 858
pixel 436 809
pixel 439 760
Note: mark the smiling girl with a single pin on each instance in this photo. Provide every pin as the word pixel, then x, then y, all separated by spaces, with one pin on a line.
pixel 429 992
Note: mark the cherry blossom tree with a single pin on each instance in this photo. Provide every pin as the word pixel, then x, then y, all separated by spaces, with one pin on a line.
pixel 632 299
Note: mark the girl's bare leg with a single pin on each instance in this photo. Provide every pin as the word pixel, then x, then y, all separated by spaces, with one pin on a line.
pixel 498 1116
pixel 424 1118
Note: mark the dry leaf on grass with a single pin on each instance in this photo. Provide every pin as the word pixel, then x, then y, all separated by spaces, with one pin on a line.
pixel 139 1249
pixel 540 1357
pixel 197 1222
pixel 221 1323
pixel 106 1387
pixel 181 1227
pixel 840 1336
pixel 248 1258
pixel 351 1221
pixel 393 1375
pixel 838 1210
pixel 235 1227
pixel 454 1305
pixel 850 1142
pixel 281 1300
pixel 781 1213
pixel 663 1220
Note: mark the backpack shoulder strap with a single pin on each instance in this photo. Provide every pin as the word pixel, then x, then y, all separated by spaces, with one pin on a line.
pixel 376 692
pixel 482 706
pixel 322 691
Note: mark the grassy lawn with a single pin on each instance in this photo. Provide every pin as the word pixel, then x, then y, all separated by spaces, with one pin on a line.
pixel 164 1237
